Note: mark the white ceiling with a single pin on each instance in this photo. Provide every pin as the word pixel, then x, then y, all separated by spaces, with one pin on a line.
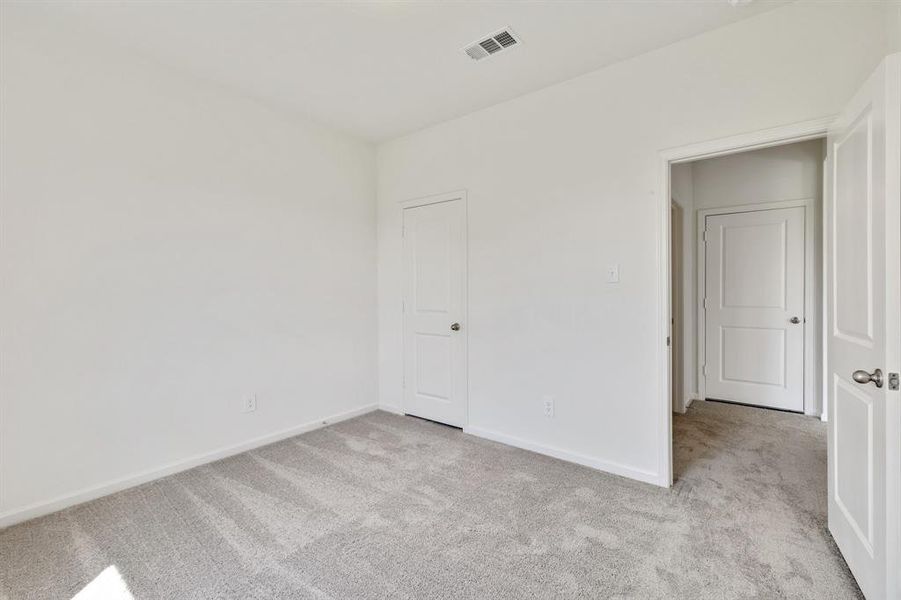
pixel 381 69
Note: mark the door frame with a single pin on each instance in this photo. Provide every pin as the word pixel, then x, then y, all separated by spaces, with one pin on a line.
pixel 811 313
pixel 677 317
pixel 764 138
pixel 454 196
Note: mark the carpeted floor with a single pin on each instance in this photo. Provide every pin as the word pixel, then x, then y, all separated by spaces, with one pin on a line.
pixel 384 506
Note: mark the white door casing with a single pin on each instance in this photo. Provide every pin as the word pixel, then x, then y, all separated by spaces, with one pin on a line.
pixel 862 302
pixel 754 307
pixel 677 352
pixel 434 305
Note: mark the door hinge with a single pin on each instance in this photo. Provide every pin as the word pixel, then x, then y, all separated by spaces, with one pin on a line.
pixel 667 340
pixel 705 303
pixel 704 237
pixel 704 370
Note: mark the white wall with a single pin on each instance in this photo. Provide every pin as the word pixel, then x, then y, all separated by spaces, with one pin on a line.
pixel 893 26
pixel 561 183
pixel 167 249
pixel 789 172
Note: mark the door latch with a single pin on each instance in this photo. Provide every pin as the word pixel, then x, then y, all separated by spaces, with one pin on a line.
pixel 893 381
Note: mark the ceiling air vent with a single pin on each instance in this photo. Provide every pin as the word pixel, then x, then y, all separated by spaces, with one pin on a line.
pixel 494 43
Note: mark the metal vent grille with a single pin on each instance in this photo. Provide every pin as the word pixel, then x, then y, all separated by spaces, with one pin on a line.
pixel 492 44
pixel 505 39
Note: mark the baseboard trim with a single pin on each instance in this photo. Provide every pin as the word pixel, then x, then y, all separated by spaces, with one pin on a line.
pixel 573 457
pixel 117 485
pixel 397 410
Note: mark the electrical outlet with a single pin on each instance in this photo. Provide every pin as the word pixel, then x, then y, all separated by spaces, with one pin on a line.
pixel 613 274
pixel 548 406
pixel 250 403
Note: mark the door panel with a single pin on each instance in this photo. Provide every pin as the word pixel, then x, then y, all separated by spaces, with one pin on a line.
pixel 754 259
pixel 853 222
pixel 858 336
pixel 768 345
pixel 434 295
pixel 433 366
pixel 755 286
pixel 854 463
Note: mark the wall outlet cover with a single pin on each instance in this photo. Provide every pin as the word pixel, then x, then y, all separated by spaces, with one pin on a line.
pixel 548 403
pixel 613 274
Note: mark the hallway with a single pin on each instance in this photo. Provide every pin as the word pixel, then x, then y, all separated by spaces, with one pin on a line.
pixel 767 470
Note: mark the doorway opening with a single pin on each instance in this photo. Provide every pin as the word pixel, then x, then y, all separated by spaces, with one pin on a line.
pixel 860 331
pixel 764 169
pixel 746 267
pixel 746 280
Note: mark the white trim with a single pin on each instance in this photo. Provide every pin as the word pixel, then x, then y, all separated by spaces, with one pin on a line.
pixel 763 138
pixel 574 457
pixel 44 508
pixel 811 311
pixel 690 399
pixel 756 140
pixel 457 195
pixel 391 408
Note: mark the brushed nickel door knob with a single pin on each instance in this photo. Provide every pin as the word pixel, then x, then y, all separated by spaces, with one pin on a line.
pixel 455 327
pixel 862 377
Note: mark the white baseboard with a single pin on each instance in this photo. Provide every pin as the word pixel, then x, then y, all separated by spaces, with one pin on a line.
pixel 44 508
pixel 580 459
pixel 391 408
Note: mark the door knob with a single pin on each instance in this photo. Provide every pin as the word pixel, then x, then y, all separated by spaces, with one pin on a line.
pixel 794 320
pixel 455 327
pixel 861 376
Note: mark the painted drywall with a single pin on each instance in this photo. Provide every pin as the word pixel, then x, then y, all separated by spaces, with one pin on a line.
pixel 167 250
pixel 893 26
pixel 681 187
pixel 789 172
pixel 562 183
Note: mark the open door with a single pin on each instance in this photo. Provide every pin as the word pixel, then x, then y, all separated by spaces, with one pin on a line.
pixel 863 227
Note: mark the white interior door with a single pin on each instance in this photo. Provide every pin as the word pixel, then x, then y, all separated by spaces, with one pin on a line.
pixel 754 308
pixel 434 310
pixel 862 280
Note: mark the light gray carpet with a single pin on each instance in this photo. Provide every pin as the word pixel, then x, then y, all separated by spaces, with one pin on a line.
pixel 394 507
